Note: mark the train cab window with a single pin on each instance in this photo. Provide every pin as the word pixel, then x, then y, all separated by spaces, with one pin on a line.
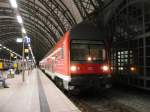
pixel 96 52
pixel 81 51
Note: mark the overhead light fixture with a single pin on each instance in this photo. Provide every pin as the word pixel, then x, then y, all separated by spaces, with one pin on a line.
pixel 29 45
pixel 19 40
pixel 23 30
pixel 19 19
pixel 26 50
pixel 27 57
pixel 13 3
pixel 11 54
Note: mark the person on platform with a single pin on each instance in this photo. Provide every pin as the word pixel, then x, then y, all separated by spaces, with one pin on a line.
pixel 2 79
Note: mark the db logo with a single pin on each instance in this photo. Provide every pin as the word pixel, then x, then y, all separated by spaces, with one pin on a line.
pixel 90 68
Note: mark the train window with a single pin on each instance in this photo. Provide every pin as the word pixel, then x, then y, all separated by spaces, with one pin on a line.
pixel 79 52
pixel 97 53
pixel 82 51
pixel 125 52
pixel 126 56
pixel 126 60
pixel 122 56
pixel 62 53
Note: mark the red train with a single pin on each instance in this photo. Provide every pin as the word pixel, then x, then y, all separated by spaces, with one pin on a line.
pixel 79 60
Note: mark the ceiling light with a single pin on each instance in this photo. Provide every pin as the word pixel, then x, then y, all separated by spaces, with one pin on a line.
pixel 19 19
pixel 23 30
pixel 19 40
pixel 13 3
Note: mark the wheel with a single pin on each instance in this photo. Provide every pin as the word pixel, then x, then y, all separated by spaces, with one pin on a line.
pixel 59 83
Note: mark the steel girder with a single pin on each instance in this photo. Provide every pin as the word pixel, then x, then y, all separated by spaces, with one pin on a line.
pixel 6 23
pixel 90 8
pixel 87 7
pixel 48 24
pixel 7 26
pixel 40 15
pixel 11 27
pixel 8 37
pixel 60 12
pixel 125 20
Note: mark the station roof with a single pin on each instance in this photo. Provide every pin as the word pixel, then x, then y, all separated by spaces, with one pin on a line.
pixel 47 20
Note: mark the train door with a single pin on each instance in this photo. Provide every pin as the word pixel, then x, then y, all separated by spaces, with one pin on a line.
pixel 53 61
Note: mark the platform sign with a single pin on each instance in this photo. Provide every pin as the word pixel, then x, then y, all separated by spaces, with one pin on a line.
pixel 15 65
pixel 27 40
pixel 1 65
pixel 26 50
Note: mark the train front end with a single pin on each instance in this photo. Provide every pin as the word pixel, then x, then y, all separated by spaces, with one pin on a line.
pixel 89 64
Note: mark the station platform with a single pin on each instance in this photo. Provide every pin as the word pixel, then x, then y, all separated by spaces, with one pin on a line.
pixel 36 94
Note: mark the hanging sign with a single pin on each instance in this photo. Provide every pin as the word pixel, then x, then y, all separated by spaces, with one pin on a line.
pixel 1 65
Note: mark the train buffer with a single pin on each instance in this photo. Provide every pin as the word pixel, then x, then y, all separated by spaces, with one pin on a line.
pixel 36 94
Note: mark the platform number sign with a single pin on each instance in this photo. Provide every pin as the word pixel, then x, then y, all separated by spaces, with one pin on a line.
pixel 1 65
pixel 15 65
pixel 27 40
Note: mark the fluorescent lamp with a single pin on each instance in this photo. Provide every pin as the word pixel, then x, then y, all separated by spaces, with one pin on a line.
pixel 11 54
pixel 23 30
pixel 13 3
pixel 19 40
pixel 27 57
pixel 19 19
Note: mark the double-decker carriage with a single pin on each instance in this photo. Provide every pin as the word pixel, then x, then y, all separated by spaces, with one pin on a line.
pixel 79 60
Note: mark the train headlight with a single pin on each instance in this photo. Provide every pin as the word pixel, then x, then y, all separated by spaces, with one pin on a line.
pixel 73 68
pixel 89 58
pixel 105 68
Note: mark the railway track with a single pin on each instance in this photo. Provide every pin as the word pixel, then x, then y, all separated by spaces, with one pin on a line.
pixel 120 99
pixel 98 102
